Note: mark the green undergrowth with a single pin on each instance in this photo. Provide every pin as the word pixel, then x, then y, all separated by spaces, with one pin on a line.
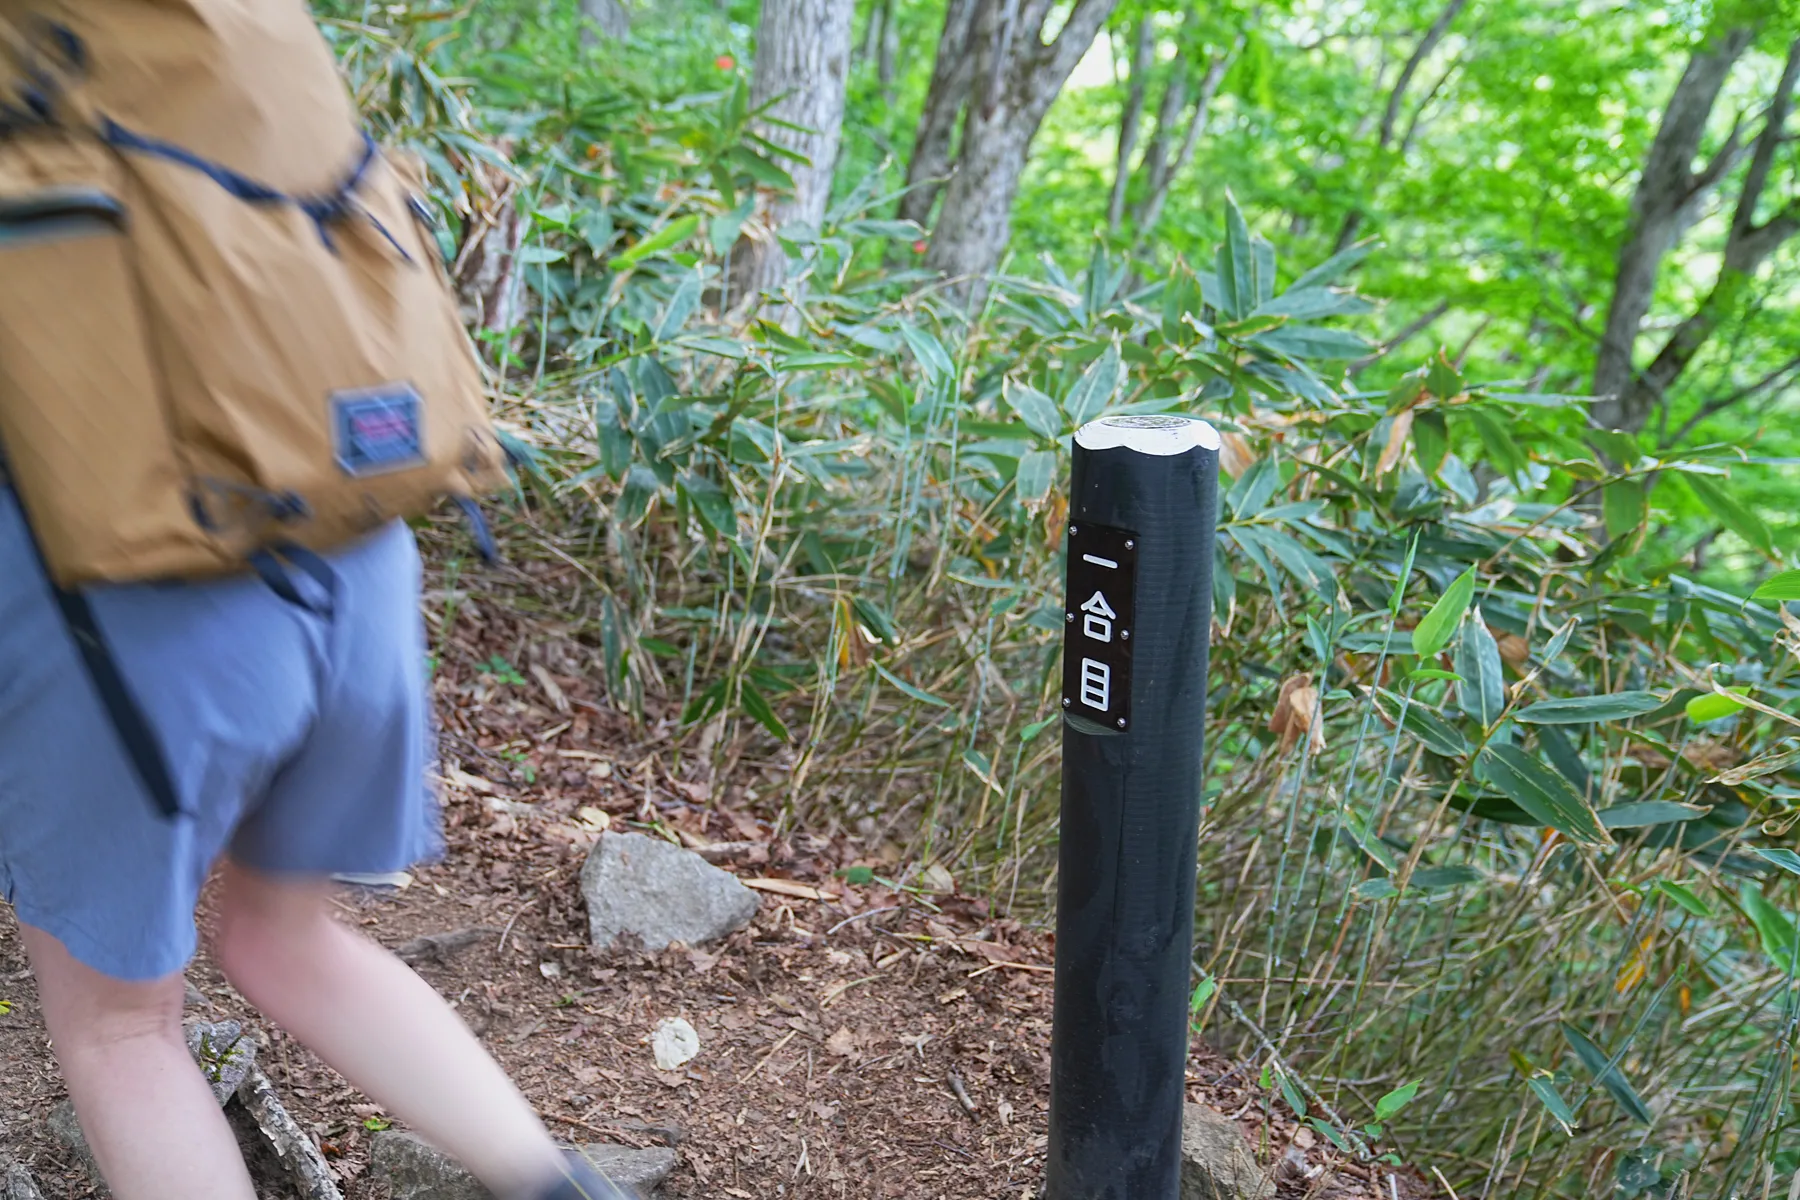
pixel 1496 871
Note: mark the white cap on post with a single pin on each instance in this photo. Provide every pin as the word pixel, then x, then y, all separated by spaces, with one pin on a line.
pixel 1161 434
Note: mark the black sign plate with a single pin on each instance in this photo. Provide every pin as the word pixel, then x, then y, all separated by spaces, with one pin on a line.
pixel 1099 612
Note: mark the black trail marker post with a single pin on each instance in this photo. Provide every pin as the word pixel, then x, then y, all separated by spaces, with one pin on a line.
pixel 1142 508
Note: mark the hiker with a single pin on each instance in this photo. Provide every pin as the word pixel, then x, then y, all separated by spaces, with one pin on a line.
pixel 211 651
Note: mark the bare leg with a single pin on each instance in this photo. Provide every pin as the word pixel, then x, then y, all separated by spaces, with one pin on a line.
pixel 149 1117
pixel 382 1027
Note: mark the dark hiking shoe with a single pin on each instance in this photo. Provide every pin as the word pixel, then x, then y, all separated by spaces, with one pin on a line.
pixel 585 1182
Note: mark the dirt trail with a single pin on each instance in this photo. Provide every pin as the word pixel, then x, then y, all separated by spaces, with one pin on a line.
pixel 856 1041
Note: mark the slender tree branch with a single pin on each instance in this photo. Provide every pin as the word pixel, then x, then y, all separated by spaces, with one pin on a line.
pixel 1746 248
pixel 1076 35
pixel 1155 164
pixel 1418 114
pixel 1720 164
pixel 1209 89
pixel 1426 45
pixel 1462 355
pixel 952 76
pixel 1762 159
pixel 1713 408
pixel 1665 200
pixel 1396 96
pixel 1407 333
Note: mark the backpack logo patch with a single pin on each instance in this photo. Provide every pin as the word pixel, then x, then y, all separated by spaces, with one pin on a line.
pixel 377 429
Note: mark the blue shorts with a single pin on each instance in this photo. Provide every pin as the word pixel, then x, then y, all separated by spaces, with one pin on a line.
pixel 298 744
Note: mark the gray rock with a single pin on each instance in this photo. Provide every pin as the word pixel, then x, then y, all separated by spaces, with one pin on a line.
pixel 639 1171
pixel 1216 1163
pixel 225 1051
pixel 17 1184
pixel 661 893
pixel 414 1169
pixel 67 1132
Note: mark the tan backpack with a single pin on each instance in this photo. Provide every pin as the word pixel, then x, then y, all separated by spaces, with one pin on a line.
pixel 226 341
pixel 224 329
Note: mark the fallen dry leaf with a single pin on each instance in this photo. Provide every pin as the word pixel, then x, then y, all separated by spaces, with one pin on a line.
pixel 558 700
pixel 1650 756
pixel 472 783
pixel 842 1043
pixel 787 887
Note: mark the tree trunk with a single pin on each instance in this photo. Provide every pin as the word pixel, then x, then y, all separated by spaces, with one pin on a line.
pixel 1017 77
pixel 486 268
pixel 610 17
pixel 1143 55
pixel 802 59
pixel 1747 247
pixel 1164 173
pixel 888 52
pixel 1668 197
pixel 1155 167
pixel 951 77
pixel 880 45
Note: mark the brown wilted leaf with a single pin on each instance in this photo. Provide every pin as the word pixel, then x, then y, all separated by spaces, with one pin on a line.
pixel 842 1043
pixel 1396 443
pixel 1056 515
pixel 1712 756
pixel 1235 456
pixel 1293 715
pixel 1514 650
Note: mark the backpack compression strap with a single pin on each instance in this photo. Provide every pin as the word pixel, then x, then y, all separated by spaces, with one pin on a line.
pixel 121 706
pixel 128 720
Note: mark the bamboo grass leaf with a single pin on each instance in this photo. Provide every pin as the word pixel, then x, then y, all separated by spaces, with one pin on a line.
pixel 917 693
pixel 1784 586
pixel 1038 411
pixel 1639 814
pixel 1096 387
pixel 1607 1074
pixel 1482 695
pixel 1588 710
pixel 1434 632
pixel 1541 792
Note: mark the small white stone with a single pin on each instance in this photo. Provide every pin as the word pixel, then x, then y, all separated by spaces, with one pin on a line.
pixel 675 1043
